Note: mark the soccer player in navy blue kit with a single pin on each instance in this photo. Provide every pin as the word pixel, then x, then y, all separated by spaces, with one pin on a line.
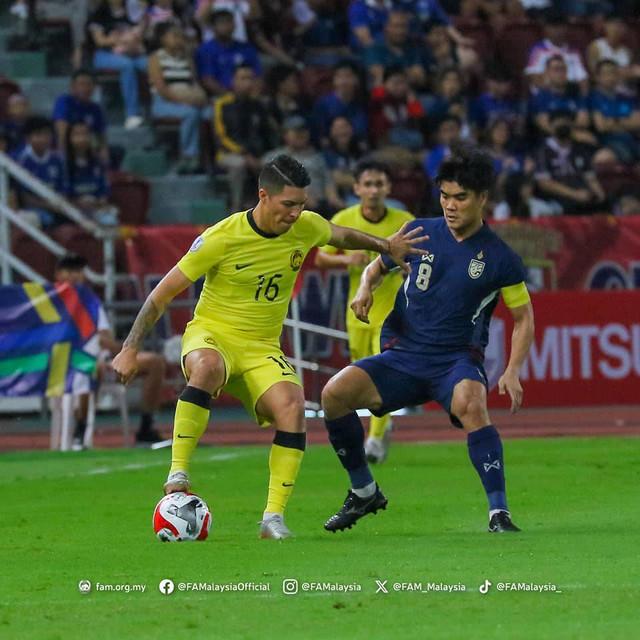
pixel 433 341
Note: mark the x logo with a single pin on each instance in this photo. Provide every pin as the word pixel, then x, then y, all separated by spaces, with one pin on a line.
pixel 381 586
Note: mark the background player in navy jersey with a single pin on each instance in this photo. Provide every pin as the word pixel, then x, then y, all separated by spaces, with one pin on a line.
pixel 434 339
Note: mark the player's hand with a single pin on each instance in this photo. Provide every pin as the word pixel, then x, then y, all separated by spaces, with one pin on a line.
pixel 362 303
pixel 510 383
pixel 403 243
pixel 125 365
pixel 359 258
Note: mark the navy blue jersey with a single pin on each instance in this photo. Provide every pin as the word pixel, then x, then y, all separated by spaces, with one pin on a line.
pixel 447 301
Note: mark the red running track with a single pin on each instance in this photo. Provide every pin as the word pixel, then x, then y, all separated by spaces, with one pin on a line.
pixel 431 426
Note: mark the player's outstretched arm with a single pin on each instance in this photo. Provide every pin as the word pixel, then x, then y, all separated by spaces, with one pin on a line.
pixel 521 340
pixel 397 246
pixel 370 280
pixel 124 364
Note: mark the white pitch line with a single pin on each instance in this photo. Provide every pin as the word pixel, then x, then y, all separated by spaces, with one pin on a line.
pixel 159 463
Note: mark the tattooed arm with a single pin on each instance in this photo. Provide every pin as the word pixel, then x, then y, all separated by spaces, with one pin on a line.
pixel 124 364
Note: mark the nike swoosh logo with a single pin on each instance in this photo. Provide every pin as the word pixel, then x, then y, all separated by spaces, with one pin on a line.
pixel 288 374
pixel 181 436
pixel 287 484
pixel 243 266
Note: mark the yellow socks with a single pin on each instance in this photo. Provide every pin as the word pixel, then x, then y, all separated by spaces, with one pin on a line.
pixel 192 416
pixel 284 463
pixel 378 426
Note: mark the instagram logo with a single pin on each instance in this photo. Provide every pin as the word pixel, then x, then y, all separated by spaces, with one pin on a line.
pixel 290 586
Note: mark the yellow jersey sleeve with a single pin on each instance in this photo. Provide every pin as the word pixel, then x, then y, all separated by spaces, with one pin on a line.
pixel 316 228
pixel 516 295
pixel 339 219
pixel 205 254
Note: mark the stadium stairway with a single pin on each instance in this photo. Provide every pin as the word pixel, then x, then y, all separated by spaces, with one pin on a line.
pixel 172 197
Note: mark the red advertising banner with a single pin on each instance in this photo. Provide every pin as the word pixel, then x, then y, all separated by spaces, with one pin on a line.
pixel 586 350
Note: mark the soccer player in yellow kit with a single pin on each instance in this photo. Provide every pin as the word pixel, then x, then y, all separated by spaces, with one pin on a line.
pixel 371 215
pixel 251 261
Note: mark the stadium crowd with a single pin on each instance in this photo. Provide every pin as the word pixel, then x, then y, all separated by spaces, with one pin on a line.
pixel 550 89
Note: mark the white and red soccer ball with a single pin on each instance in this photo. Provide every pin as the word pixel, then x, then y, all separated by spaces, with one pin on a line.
pixel 180 517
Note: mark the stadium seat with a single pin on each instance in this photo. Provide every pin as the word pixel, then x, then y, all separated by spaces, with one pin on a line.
pixel 514 42
pixel 132 195
pixel 25 64
pixel 147 163
pixel 76 240
pixel 208 211
pixel 481 33
pixel 32 253
pixel 410 186
pixel 616 179
pixel 7 89
pixel 315 82
pixel 579 34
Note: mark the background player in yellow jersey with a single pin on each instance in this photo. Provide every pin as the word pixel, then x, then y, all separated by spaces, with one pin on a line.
pixel 251 261
pixel 371 215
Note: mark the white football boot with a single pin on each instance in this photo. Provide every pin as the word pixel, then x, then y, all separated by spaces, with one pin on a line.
pixel 273 527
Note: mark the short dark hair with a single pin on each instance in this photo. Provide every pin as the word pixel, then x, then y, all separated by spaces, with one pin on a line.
pixel 369 164
pixel 281 171
pixel 471 168
pixel 218 14
pixel 604 62
pixel 345 63
pixel 243 65
pixel 37 123
pixel 83 71
pixel 393 70
pixel 554 58
pixel 72 262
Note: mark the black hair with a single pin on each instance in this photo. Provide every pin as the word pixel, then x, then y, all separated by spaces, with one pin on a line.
pixel 393 70
pixel 371 165
pixel 72 262
pixel 218 14
pixel 279 74
pixel 512 194
pixel 162 28
pixel 555 56
pixel 243 65
pixel 345 63
pixel 281 171
pixel 450 117
pixel 471 168
pixel 605 61
pixel 83 71
pixel 70 154
pixel 37 123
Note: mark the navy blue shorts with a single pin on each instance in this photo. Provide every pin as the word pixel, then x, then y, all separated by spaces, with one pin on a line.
pixel 406 379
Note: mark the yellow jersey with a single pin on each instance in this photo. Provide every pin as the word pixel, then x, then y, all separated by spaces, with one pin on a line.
pixel 250 274
pixel 384 296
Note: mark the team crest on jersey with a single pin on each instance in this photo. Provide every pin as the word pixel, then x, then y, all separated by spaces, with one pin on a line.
pixel 296 260
pixel 197 243
pixel 476 267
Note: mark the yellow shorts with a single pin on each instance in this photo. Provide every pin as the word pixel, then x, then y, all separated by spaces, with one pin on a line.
pixel 251 366
pixel 364 340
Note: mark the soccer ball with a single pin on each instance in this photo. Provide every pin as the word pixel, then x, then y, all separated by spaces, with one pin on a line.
pixel 181 516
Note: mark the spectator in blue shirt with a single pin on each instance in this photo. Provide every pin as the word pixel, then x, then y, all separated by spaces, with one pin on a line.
pixel 342 101
pixel 495 103
pixel 216 60
pixel 18 110
pixel 449 137
pixel 560 98
pixel 616 116
pixel 366 22
pixel 342 157
pixel 77 106
pixel 87 186
pixel 398 51
pixel 46 164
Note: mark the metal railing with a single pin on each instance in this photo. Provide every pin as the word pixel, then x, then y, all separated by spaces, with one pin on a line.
pixel 10 263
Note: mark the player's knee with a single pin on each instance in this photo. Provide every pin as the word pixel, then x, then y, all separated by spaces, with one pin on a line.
pixel 469 406
pixel 290 411
pixel 206 372
pixel 331 396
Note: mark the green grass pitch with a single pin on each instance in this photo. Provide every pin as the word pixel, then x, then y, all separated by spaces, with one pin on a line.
pixel 68 517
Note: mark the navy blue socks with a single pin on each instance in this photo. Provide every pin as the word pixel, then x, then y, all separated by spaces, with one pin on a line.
pixel 485 451
pixel 347 439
